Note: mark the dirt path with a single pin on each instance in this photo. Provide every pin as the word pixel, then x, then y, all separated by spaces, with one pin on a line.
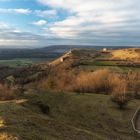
pixel 138 121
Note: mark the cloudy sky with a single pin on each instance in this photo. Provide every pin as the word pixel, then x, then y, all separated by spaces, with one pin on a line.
pixel 36 23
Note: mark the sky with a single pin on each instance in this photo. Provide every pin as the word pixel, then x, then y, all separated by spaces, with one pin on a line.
pixel 38 23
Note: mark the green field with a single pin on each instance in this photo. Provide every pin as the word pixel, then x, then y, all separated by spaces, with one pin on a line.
pixel 91 65
pixel 72 117
pixel 102 63
pixel 21 62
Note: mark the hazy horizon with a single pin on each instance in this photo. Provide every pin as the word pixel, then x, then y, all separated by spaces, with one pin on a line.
pixel 73 46
pixel 38 23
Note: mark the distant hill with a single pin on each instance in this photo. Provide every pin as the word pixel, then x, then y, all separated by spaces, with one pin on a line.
pixel 49 52
pixel 75 55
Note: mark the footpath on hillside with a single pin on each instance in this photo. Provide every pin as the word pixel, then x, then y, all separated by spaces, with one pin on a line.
pixel 138 122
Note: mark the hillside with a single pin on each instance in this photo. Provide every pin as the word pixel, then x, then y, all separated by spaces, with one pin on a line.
pixel 76 60
pixel 76 55
pixel 127 54
pixel 90 59
pixel 71 117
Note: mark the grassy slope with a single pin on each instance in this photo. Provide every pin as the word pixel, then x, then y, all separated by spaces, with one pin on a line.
pixel 127 54
pixel 90 63
pixel 72 117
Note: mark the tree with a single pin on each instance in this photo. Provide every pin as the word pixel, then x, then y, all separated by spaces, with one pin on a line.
pixel 119 95
pixel 10 80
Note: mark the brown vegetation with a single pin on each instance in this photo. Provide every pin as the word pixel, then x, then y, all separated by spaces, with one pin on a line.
pixel 127 54
pixel 8 92
pixel 133 80
pixel 119 94
pixel 100 81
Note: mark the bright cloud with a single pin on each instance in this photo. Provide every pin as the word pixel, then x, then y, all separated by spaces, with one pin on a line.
pixel 13 36
pixel 96 18
pixel 92 22
pixel 46 13
pixel 40 23
pixel 15 11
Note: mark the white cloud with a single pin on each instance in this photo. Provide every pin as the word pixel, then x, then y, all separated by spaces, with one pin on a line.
pixel 17 42
pixel 40 23
pixel 22 11
pixel 11 36
pixel 91 21
pixel 46 13
pixel 15 11
pixel 95 18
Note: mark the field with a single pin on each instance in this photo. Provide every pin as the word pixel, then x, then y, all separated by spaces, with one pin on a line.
pixel 72 116
pixel 21 62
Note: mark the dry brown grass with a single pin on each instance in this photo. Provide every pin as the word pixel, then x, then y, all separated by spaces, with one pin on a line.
pixel 126 54
pixel 100 81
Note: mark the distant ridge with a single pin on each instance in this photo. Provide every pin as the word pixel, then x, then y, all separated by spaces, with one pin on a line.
pixel 48 52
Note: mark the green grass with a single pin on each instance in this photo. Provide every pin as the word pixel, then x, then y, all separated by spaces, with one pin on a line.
pixel 16 62
pixel 104 63
pixel 112 68
pixel 72 117
pixel 91 65
pixel 21 62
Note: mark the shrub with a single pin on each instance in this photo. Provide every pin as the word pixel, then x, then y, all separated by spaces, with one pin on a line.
pixel 133 83
pixel 59 81
pixel 65 81
pixel 119 95
pixel 8 92
pixel 44 107
pixel 100 81
pixel 50 82
pixel 46 84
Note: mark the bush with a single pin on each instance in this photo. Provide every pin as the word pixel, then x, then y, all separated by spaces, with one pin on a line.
pixel 44 107
pixel 59 81
pixel 65 81
pixel 100 81
pixel 119 95
pixel 133 84
pixel 8 92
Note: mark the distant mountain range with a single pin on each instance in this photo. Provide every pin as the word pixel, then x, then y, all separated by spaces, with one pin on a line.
pixel 48 52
